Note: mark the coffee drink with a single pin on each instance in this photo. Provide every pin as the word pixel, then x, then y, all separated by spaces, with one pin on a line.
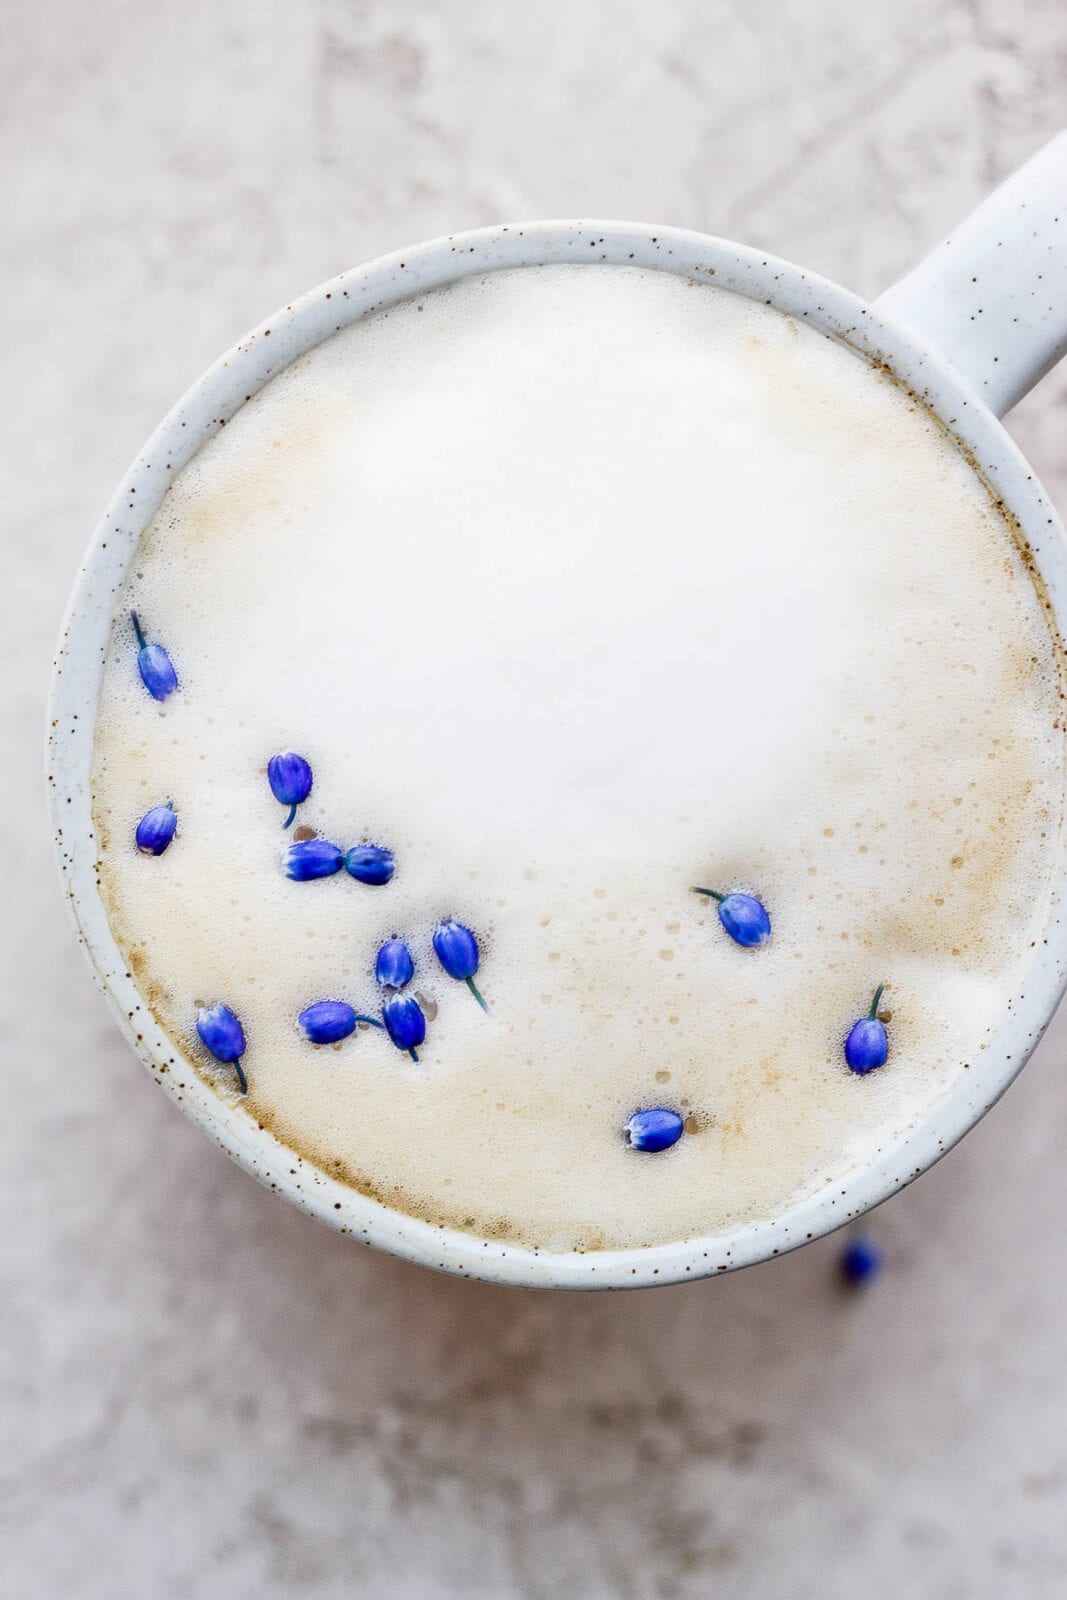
pixel 577 587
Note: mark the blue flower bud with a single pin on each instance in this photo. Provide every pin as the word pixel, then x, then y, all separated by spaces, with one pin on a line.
pixel 861 1260
pixel 456 949
pixel 289 777
pixel 867 1045
pixel 328 1021
pixel 312 858
pixel 156 829
pixel 404 1022
pixel 154 665
pixel 743 916
pixel 394 966
pixel 221 1031
pixel 654 1129
pixel 370 863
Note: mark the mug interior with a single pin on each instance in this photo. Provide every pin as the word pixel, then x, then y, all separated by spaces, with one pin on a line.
pixel 78 671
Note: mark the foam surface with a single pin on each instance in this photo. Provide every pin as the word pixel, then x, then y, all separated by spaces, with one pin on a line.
pixel 576 586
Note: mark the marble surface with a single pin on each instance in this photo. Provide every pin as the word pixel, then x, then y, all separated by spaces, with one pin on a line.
pixel 202 1393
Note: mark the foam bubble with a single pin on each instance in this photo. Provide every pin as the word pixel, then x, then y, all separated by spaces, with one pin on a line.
pixel 577 586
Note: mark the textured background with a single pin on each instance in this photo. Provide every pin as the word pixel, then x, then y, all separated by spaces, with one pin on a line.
pixel 203 1394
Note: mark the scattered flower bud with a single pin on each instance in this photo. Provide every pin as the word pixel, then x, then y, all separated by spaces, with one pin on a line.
pixel 312 858
pixel 404 1021
pixel 456 949
pixel 742 915
pixel 156 829
pixel 861 1261
pixel 394 967
pixel 867 1045
pixel 154 665
pixel 289 777
pixel 654 1129
pixel 370 863
pixel 221 1032
pixel 328 1021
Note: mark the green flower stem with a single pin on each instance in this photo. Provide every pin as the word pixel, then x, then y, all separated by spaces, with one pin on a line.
pixel 473 987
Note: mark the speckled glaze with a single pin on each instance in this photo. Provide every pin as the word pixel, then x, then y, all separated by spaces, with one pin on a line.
pixel 1012 256
pixel 993 297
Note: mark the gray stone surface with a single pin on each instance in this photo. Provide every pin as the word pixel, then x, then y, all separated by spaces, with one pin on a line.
pixel 203 1394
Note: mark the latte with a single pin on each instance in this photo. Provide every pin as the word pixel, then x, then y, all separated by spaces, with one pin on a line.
pixel 578 586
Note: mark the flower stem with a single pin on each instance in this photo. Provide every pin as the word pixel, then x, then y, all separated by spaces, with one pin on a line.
pixel 413 1053
pixel 138 630
pixel 473 987
pixel 715 895
pixel 292 814
pixel 241 1079
pixel 361 1018
pixel 875 1003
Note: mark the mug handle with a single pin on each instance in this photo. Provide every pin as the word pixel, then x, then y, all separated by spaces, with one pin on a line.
pixel 993 298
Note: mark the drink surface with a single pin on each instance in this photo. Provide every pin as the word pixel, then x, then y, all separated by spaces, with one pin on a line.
pixel 578 586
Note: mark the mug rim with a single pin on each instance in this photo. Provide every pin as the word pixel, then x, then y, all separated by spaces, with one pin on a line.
pixel 78 669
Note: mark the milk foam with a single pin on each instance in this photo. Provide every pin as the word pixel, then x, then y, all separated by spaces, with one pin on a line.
pixel 579 585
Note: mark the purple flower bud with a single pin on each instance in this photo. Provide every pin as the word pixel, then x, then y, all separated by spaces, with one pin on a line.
pixel 370 863
pixel 456 949
pixel 404 1022
pixel 743 916
pixel 312 858
pixel 653 1130
pixel 156 829
pixel 328 1021
pixel 221 1032
pixel 289 777
pixel 154 665
pixel 867 1045
pixel 394 967
pixel 861 1261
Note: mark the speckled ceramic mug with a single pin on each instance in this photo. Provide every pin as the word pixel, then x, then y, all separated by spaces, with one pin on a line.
pixel 968 331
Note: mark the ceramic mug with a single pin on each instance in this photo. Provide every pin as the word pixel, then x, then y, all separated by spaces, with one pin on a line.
pixel 967 332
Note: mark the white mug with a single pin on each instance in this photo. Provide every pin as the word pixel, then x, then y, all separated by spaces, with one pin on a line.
pixel 968 332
